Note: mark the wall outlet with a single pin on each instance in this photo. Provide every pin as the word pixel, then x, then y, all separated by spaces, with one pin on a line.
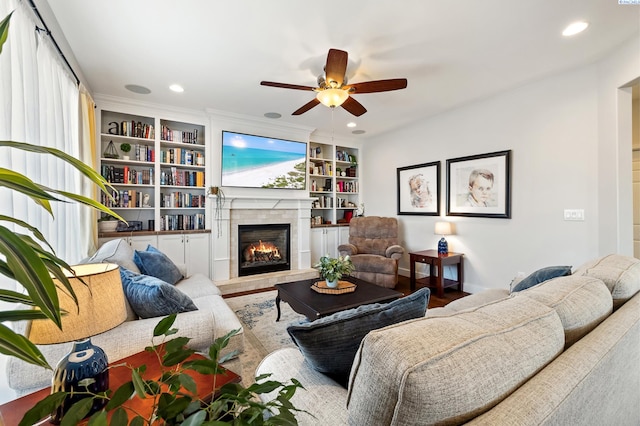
pixel 574 214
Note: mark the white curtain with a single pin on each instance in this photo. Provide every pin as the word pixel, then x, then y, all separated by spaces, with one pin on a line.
pixel 39 105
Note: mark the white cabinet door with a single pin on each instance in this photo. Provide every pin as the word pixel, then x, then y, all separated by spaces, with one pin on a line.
pixel 197 253
pixel 173 246
pixel 141 242
pixel 324 241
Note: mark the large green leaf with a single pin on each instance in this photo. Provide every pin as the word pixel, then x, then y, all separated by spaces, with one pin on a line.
pixel 18 346
pixel 43 409
pixel 21 315
pixel 4 30
pixel 15 297
pixel 24 185
pixel 35 231
pixel 86 170
pixel 30 271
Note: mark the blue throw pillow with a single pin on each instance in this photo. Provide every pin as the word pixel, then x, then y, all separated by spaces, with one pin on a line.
pixel 151 297
pixel 330 344
pixel 540 276
pixel 157 264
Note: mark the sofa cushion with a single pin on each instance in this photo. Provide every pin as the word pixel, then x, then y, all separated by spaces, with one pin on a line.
pixel 581 303
pixel 329 344
pixel 448 370
pixel 621 274
pixel 151 297
pixel 115 251
pixel 157 264
pixel 541 275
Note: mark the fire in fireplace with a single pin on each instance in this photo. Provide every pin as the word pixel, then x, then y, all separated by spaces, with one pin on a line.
pixel 263 248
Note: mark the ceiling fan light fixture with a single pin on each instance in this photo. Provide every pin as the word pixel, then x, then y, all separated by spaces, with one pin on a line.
pixel 332 97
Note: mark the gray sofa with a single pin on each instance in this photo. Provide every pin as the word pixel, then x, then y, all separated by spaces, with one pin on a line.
pixel 213 319
pixel 566 351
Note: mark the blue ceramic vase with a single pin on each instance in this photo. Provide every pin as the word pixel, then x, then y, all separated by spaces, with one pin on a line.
pixel 85 361
pixel 443 246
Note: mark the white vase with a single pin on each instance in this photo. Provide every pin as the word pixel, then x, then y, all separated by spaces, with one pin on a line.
pixel 332 284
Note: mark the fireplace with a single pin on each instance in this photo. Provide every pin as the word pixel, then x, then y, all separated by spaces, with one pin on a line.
pixel 263 248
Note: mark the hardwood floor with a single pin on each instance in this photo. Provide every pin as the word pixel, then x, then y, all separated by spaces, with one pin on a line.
pixel 450 294
pixel 403 286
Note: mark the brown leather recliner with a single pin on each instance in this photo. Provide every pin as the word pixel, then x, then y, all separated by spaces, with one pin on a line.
pixel 374 250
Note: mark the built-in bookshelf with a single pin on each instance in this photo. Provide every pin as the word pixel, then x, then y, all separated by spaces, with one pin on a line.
pixel 159 183
pixel 333 181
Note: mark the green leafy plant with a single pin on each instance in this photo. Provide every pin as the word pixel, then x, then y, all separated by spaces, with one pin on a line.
pixel 174 392
pixel 333 268
pixel 125 147
pixel 27 257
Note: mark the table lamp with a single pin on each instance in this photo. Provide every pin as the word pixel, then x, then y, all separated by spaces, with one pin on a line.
pixel 101 307
pixel 443 228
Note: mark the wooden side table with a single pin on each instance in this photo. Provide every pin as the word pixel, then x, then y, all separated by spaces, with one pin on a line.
pixel 432 258
pixel 13 411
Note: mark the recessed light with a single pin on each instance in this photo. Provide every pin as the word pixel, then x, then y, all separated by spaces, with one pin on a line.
pixel 575 28
pixel 137 89
pixel 358 132
pixel 351 124
pixel 272 115
pixel 176 88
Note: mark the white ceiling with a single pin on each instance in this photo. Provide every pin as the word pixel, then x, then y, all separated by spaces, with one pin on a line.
pixel 451 52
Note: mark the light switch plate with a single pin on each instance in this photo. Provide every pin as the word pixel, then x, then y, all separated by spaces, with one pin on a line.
pixel 574 214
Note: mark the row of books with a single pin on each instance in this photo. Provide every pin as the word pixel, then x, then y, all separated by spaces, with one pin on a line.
pixel 179 135
pixel 125 199
pixel 136 129
pixel 182 156
pixel 144 153
pixel 324 169
pixel 323 201
pixel 181 222
pixel 182 199
pixel 181 177
pixel 127 175
pixel 347 186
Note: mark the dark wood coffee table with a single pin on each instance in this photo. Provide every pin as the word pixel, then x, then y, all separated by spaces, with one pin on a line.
pixel 314 305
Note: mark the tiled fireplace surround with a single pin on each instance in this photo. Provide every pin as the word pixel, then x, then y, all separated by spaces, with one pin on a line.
pixel 260 210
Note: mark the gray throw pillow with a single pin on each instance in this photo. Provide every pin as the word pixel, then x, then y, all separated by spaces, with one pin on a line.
pixel 541 275
pixel 115 251
pixel 151 297
pixel 330 344
pixel 157 264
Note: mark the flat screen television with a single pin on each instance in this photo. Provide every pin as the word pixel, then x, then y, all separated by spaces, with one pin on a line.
pixel 252 161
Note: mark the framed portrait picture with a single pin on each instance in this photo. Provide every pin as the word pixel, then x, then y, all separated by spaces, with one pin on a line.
pixel 419 189
pixel 480 185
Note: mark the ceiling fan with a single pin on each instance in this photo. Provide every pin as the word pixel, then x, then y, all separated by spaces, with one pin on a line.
pixel 333 89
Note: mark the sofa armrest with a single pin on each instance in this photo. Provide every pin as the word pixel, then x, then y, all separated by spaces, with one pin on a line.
pixel 347 249
pixel 395 252
pixel 288 363
pixel 182 267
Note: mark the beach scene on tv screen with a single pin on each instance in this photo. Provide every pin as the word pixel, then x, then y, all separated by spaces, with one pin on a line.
pixel 261 162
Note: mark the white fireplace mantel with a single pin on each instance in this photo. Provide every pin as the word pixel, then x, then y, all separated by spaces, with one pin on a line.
pixel 258 210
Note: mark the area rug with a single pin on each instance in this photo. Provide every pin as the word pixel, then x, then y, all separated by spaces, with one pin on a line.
pixel 262 334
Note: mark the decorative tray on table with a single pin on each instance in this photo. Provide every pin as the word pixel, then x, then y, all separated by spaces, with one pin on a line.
pixel 343 287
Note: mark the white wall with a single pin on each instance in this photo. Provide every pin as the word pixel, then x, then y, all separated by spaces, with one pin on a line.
pixel 553 127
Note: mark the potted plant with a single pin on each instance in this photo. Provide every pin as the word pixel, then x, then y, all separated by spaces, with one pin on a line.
pixel 220 199
pixel 107 223
pixel 125 147
pixel 333 268
pixel 173 394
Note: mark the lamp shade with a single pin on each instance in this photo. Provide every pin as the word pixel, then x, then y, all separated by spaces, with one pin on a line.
pixel 443 228
pixel 101 305
pixel 332 97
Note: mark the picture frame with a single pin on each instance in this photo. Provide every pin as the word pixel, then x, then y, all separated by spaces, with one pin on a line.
pixel 480 185
pixel 419 189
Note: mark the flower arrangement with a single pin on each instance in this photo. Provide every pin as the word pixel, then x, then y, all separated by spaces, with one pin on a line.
pixel 333 268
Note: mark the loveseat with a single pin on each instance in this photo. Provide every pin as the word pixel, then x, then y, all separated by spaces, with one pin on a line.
pixel 563 352
pixel 212 319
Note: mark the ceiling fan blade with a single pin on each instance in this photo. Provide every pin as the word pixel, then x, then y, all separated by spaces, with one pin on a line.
pixel 286 85
pixel 377 86
pixel 354 107
pixel 336 67
pixel 306 107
